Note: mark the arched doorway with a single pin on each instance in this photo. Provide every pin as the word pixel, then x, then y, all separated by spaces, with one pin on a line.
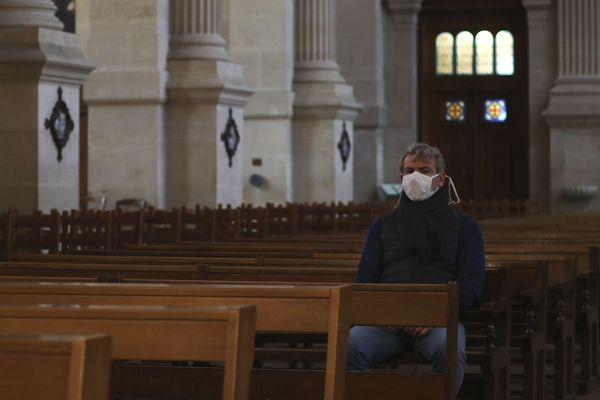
pixel 473 93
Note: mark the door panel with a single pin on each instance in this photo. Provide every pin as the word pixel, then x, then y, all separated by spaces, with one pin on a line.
pixel 486 159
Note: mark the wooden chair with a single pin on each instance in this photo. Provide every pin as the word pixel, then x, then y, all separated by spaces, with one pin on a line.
pixel 91 229
pixel 34 233
pixel 161 226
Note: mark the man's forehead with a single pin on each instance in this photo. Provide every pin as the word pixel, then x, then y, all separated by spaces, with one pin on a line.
pixel 413 161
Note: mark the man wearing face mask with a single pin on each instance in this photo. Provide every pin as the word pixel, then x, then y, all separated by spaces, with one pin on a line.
pixel 423 240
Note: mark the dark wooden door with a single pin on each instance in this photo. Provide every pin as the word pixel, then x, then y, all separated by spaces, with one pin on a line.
pixel 478 119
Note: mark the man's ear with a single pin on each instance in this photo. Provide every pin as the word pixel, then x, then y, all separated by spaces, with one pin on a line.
pixel 442 178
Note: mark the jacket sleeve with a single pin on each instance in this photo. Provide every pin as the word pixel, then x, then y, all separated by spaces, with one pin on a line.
pixel 470 264
pixel 369 268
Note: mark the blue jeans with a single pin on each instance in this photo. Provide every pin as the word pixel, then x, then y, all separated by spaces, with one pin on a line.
pixel 369 345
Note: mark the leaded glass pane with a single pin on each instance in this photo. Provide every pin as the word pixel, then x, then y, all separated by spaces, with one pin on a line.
pixel 495 110
pixel 444 54
pixel 455 110
pixel 505 53
pixel 484 50
pixel 464 53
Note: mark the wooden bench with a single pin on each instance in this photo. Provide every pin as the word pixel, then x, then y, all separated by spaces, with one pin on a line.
pixel 562 280
pixel 104 272
pixel 493 362
pixel 54 367
pixel 152 333
pixel 379 304
pixel 280 308
pixel 587 298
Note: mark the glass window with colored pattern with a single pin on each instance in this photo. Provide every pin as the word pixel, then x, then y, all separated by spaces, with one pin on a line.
pixel 495 110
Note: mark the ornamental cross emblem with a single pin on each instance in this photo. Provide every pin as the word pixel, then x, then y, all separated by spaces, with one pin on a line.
pixel 230 137
pixel 344 146
pixel 60 124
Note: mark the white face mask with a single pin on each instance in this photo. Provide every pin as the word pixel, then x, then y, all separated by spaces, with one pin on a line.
pixel 417 186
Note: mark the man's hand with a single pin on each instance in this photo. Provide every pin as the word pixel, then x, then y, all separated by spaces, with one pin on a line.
pixel 416 331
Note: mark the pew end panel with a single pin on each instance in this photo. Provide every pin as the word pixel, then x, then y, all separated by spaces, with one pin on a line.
pixel 55 367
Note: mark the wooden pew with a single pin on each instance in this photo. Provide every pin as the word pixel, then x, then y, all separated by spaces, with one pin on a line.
pixel 152 333
pixel 54 367
pixel 587 298
pixel 487 375
pixel 207 253
pixel 277 311
pixel 493 356
pixel 562 280
pixel 260 246
pixel 104 272
pixel 529 286
pixel 280 308
pixel 378 304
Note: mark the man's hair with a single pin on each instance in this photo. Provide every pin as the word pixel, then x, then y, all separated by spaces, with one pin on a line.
pixel 424 152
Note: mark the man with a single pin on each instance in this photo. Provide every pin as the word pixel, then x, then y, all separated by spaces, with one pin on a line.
pixel 422 240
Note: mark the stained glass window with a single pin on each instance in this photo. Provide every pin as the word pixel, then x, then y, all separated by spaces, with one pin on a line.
pixel 484 48
pixel 495 110
pixel 444 54
pixel 505 57
pixel 464 53
pixel 482 54
pixel 455 110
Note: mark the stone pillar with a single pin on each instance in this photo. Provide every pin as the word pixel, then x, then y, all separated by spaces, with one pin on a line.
pixel 324 109
pixel 260 36
pixel 402 77
pixel 41 71
pixel 542 72
pixel 574 110
pixel 205 115
pixel 360 55
pixel 128 42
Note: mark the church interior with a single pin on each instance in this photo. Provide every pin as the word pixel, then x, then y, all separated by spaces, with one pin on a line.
pixel 207 170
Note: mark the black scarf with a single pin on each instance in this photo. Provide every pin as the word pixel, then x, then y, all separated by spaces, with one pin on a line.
pixel 426 219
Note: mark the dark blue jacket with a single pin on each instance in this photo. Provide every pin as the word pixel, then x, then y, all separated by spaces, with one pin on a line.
pixel 469 260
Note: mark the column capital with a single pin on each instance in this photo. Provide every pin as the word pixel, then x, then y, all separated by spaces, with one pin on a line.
pixel 537 4
pixel 405 13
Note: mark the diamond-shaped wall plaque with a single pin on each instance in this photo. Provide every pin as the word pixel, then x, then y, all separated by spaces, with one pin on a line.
pixel 230 137
pixel 344 146
pixel 60 124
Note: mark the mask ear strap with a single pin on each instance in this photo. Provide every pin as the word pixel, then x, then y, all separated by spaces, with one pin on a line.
pixel 451 186
pixel 399 197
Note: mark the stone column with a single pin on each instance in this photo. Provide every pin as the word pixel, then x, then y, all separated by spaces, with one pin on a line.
pixel 542 72
pixel 260 36
pixel 574 110
pixel 360 43
pixel 41 71
pixel 128 42
pixel 205 110
pixel 402 77
pixel 324 109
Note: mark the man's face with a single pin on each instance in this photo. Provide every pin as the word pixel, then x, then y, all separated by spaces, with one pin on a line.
pixel 426 167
